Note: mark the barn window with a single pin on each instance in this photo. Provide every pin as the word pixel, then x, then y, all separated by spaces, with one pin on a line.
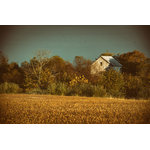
pixel 101 63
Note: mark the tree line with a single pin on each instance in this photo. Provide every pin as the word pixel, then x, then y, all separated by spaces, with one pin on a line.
pixel 53 75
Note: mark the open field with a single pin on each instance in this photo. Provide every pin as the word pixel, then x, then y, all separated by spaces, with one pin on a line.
pixel 22 108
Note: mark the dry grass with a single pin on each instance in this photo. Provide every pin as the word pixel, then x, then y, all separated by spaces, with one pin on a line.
pixel 21 108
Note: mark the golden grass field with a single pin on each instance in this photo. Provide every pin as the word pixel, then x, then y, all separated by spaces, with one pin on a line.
pixel 46 109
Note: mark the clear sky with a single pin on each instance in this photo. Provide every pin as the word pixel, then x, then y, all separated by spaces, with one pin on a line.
pixel 20 43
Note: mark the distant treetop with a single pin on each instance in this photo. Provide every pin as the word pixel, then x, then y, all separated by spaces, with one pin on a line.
pixel 107 54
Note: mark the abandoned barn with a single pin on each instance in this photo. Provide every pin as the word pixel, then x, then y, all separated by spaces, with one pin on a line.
pixel 104 63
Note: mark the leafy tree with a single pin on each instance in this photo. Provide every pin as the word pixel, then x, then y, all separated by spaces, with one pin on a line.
pixel 113 82
pixel 130 61
pixel 10 72
pixel 3 66
pixel 14 74
pixel 68 73
pixel 133 84
pixel 62 70
pixel 83 66
pixel 144 70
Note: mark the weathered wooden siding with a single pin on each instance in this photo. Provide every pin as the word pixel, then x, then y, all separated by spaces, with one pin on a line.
pixel 96 67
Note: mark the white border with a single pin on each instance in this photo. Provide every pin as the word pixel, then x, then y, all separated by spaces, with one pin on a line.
pixel 74 12
pixel 74 137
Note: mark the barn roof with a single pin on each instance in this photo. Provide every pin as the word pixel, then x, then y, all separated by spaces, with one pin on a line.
pixel 112 61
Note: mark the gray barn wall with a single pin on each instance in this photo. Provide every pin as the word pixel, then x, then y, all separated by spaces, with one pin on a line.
pixel 96 66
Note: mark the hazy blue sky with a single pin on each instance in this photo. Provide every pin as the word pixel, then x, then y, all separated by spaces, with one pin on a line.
pixel 20 43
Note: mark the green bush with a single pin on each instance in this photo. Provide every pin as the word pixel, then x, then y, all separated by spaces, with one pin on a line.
pixel 35 91
pixel 72 91
pixel 10 88
pixel 52 88
pixel 87 89
pixel 57 88
pixel 99 91
pixel 133 85
pixel 113 82
pixel 144 93
pixel 79 90
pixel 61 88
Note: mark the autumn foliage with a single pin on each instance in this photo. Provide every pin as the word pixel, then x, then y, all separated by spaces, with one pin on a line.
pixel 55 76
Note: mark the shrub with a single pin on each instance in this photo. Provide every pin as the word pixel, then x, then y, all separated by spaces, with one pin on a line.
pixel 61 88
pixel 78 80
pixel 113 82
pixel 91 90
pixel 86 89
pixel 79 90
pixel 10 88
pixel 71 91
pixel 99 91
pixel 35 91
pixel 144 93
pixel 52 88
pixel 133 85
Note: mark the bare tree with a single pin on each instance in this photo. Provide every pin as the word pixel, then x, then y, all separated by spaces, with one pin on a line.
pixel 37 75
